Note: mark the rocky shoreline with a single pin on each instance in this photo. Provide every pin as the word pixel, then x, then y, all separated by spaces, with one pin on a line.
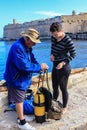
pixel 74 119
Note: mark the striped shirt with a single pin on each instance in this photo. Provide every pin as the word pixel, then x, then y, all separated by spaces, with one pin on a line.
pixel 63 50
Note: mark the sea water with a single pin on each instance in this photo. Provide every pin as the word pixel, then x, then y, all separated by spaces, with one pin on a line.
pixel 42 54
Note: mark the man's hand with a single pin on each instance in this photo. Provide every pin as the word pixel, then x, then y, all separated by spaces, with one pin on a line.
pixel 44 66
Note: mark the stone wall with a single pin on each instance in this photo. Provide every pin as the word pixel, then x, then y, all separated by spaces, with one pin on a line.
pixel 12 31
pixel 75 23
pixel 71 23
pixel 77 76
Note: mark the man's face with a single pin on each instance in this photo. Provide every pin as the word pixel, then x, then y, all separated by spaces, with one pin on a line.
pixel 29 43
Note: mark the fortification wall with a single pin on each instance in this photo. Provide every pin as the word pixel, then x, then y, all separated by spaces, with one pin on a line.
pixel 71 23
pixel 75 23
pixel 12 31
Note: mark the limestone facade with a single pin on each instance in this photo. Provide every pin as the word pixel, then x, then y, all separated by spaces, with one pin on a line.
pixel 75 23
pixel 71 23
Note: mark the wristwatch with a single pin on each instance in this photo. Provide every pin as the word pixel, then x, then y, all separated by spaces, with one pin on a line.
pixel 64 63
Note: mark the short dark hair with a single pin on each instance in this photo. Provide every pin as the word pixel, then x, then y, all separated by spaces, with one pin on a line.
pixel 56 26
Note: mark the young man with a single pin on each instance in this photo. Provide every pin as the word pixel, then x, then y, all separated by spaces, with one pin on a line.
pixel 62 52
pixel 20 65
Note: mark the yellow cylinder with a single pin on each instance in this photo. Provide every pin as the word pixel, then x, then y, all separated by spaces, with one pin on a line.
pixel 39 107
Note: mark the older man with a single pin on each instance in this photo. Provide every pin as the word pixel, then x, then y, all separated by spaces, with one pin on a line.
pixel 20 65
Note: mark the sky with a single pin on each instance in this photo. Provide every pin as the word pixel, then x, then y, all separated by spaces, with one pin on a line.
pixel 29 10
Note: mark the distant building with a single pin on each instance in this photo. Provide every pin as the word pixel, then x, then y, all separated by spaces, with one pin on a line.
pixel 71 24
pixel 74 23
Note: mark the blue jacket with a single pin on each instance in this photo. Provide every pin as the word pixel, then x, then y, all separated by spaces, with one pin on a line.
pixel 20 65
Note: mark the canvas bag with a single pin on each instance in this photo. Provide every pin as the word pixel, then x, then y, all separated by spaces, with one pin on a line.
pixel 55 112
pixel 27 104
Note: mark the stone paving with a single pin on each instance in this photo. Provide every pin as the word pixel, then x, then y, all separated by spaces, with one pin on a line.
pixel 74 119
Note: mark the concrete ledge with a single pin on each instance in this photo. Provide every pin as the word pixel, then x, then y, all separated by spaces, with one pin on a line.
pixel 74 119
pixel 77 75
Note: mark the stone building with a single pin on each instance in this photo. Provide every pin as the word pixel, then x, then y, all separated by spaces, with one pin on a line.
pixel 74 23
pixel 71 24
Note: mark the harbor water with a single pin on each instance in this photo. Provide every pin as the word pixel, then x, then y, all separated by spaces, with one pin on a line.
pixel 42 54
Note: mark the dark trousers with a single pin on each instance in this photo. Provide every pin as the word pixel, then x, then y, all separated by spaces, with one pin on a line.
pixel 60 78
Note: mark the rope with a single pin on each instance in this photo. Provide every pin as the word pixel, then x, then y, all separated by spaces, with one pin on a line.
pixel 42 77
